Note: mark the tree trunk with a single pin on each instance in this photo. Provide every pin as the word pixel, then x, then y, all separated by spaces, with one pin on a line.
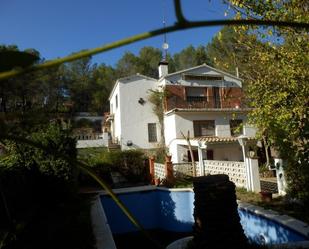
pixel 191 152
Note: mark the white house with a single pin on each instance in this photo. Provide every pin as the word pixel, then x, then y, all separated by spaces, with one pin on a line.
pixel 132 121
pixel 207 103
pixel 203 100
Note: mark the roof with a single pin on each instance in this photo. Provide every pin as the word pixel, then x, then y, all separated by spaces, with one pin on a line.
pixel 219 139
pixel 128 78
pixel 208 110
pixel 200 66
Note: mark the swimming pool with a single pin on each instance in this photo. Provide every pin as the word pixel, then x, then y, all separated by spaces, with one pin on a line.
pixel 173 211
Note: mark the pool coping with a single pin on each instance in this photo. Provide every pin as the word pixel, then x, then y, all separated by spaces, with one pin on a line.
pixel 288 221
pixel 104 229
pixel 101 229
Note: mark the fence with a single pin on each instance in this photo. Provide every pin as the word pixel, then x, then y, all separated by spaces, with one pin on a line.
pixel 91 136
pixel 159 170
pixel 235 170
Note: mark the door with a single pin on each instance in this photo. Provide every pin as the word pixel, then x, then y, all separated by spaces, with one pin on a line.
pixel 217 102
pixel 210 154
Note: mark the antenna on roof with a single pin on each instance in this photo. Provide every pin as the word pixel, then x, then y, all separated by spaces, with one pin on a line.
pixel 165 44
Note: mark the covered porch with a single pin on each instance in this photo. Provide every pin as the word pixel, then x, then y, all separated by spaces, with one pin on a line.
pixel 233 156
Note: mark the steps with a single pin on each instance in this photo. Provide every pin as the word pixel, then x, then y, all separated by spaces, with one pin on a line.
pixel 113 147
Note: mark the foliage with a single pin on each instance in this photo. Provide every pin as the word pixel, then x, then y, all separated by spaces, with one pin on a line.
pixel 58 142
pixel 191 57
pixel 156 97
pixel 39 190
pixel 227 52
pixel 275 62
pixel 130 164
pixel 83 123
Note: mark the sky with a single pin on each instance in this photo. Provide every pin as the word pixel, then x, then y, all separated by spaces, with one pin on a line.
pixel 57 28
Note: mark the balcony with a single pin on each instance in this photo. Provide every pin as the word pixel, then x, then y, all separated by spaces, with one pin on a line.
pixel 203 102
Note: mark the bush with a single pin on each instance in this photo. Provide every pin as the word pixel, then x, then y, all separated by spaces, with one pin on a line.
pixel 39 190
pixel 132 164
pixel 83 123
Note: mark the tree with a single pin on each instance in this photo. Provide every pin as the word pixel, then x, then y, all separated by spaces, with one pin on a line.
pixel 79 83
pixel 104 80
pixel 190 57
pixel 127 65
pixel 226 52
pixel 149 59
pixel 278 84
pixel 41 90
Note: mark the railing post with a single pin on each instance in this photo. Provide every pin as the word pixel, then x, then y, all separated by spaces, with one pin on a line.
pixel 152 169
pixel 169 169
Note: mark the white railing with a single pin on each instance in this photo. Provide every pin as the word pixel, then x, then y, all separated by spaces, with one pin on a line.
pixel 235 170
pixel 91 136
pixel 159 170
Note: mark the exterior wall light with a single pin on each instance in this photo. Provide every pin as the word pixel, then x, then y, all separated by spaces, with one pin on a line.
pixel 251 153
pixel 141 101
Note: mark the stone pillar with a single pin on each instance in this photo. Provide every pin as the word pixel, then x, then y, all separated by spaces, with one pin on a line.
pixel 280 176
pixel 169 169
pixel 217 223
pixel 152 169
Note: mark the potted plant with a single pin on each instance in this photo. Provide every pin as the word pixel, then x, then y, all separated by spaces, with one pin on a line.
pixel 266 196
pixel 157 181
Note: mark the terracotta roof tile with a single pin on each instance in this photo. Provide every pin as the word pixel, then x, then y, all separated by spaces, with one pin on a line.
pixel 218 139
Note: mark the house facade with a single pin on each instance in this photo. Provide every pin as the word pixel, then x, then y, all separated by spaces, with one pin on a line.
pixel 203 102
pixel 131 120
pixel 208 104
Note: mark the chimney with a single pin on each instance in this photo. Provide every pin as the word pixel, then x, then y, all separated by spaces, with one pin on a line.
pixel 163 68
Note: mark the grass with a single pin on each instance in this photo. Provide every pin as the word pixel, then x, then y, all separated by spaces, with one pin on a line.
pixel 87 153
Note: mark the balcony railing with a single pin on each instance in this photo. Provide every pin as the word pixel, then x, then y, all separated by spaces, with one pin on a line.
pixel 202 102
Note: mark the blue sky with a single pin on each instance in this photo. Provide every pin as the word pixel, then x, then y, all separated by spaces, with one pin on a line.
pixel 59 27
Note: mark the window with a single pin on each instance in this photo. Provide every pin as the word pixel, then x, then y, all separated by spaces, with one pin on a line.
pixel 116 100
pixel 196 94
pixel 236 127
pixel 201 77
pixel 204 128
pixel 152 132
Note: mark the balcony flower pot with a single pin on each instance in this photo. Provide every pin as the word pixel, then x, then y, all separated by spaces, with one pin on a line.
pixel 266 196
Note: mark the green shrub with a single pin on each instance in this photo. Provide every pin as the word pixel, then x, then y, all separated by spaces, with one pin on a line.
pixel 46 177
pixel 131 164
pixel 39 203
pixel 83 123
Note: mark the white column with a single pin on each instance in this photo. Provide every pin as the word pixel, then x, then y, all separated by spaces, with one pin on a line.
pixel 200 158
pixel 254 175
pixel 280 176
pixel 242 140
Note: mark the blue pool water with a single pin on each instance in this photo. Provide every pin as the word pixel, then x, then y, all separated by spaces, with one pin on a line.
pixel 173 211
